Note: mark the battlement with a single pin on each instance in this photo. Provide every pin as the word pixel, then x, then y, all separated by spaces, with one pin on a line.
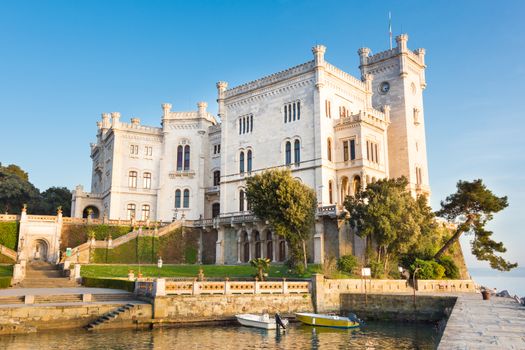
pixel 417 55
pixel 344 76
pixel 271 79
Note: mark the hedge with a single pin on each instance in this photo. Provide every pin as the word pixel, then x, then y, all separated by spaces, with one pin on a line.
pixel 9 234
pixel 5 282
pixel 108 283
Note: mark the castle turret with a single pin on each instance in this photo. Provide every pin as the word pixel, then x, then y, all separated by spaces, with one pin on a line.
pixel 399 81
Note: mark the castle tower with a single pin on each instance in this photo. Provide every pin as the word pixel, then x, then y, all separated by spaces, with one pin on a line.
pixel 399 81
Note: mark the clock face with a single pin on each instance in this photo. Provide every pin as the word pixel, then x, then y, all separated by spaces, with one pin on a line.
pixel 384 87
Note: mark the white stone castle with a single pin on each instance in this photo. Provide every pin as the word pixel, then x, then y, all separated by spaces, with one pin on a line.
pixel 335 132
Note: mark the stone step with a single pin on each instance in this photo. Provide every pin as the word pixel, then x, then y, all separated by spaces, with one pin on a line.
pixel 113 297
pixel 12 300
pixel 67 298
pixel 110 316
pixel 44 274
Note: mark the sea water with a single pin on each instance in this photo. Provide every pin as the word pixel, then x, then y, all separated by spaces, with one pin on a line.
pixel 513 281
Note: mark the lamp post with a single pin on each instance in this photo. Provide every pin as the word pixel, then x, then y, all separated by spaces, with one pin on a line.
pixel 414 283
pixel 159 266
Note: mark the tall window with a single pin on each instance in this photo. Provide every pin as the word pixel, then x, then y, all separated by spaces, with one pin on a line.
pixel 297 151
pixel 288 153
pixel 329 149
pixel 186 199
pixel 145 212
pixel 177 199
pixel 187 157
pixel 245 124
pixel 372 153
pixel 348 150
pixel 132 180
pixel 249 163
pixel 330 192
pixel 215 210
pixel 134 149
pixel 147 181
pixel 131 211
pixel 292 111
pixel 328 108
pixel 216 177
pixel 241 162
pixel 179 158
pixel 241 200
pixel 148 151
pixel 419 177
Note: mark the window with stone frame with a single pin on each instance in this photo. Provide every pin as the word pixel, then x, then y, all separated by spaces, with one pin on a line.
pixel 132 179
pixel 245 124
pixel 186 199
pixel 288 153
pixel 348 150
pixel 372 151
pixel 187 157
pixel 145 212
pixel 130 211
pixel 241 162
pixel 177 198
pixel 249 161
pixel 328 108
pixel 297 152
pixel 292 111
pixel 148 151
pixel 216 178
pixel 147 181
pixel 134 150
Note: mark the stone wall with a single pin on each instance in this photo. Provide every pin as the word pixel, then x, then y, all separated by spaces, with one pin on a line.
pixel 21 319
pixel 184 309
pixel 400 307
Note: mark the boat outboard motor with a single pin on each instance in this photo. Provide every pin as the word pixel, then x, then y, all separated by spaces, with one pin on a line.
pixel 353 317
pixel 279 321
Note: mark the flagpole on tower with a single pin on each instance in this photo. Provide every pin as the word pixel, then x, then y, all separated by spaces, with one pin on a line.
pixel 390 28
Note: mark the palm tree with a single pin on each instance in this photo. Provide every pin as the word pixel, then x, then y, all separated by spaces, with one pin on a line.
pixel 261 264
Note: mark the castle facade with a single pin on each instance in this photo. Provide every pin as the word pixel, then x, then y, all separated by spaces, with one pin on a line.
pixel 335 132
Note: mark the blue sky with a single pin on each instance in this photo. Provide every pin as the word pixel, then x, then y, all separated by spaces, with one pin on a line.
pixel 62 63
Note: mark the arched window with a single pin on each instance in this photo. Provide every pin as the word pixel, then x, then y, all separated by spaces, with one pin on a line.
pixel 246 247
pixel 249 165
pixel 269 246
pixel 344 188
pixel 215 210
pixel 297 151
pixel 187 157
pixel 288 153
pixel 298 110
pixel 216 177
pixel 177 199
pixel 330 192
pixel 329 149
pixel 258 247
pixel 147 180
pixel 132 180
pixel 251 122
pixel 285 113
pixel 186 199
pixel 356 184
pixel 145 212
pixel 241 163
pixel 241 200
pixel 179 158
pixel 131 211
pixel 282 250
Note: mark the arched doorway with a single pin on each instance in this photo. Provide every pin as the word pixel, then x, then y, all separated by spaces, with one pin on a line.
pixel 344 188
pixel 40 249
pixel 282 250
pixel 269 246
pixel 258 247
pixel 356 184
pixel 91 211
pixel 245 247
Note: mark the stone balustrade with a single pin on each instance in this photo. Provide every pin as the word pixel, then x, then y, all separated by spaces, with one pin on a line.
pixel 9 217
pixel 151 288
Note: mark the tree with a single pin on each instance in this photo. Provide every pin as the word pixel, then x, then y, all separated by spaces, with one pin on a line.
pixel 55 197
pixel 391 219
pixel 261 264
pixel 470 208
pixel 287 204
pixel 15 191
pixel 16 170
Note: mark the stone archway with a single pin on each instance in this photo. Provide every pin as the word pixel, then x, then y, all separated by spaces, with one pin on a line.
pixel 39 250
pixel 91 211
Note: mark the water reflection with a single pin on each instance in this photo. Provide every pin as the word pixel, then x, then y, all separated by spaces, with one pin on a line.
pixel 373 336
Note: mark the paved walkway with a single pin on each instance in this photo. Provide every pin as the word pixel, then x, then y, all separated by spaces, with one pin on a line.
pixel 498 323
pixel 13 292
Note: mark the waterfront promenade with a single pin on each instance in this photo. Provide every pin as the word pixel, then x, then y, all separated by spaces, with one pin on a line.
pixel 498 323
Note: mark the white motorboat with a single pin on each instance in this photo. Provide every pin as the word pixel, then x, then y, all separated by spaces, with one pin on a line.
pixel 263 321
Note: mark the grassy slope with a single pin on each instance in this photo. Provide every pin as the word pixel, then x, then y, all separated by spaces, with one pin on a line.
pixel 106 271
pixel 6 270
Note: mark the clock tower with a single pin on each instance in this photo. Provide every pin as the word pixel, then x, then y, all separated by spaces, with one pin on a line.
pixel 399 81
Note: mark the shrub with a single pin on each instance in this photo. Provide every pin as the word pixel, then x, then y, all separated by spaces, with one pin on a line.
pixel 377 269
pixel 347 263
pixel 451 269
pixel 5 282
pixel 9 234
pixel 190 255
pixel 428 269
pixel 108 283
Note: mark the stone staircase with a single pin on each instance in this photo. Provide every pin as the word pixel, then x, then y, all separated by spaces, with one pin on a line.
pixel 105 320
pixel 117 298
pixel 45 275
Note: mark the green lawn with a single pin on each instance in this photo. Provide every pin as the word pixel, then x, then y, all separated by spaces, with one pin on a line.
pixel 6 270
pixel 106 271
